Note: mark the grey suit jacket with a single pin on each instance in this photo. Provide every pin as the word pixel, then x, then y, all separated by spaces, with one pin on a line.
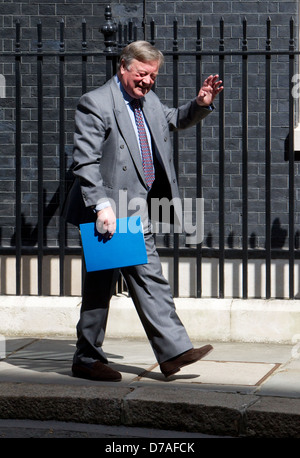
pixel 107 160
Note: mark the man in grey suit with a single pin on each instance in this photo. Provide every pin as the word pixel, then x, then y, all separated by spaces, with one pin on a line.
pixel 122 150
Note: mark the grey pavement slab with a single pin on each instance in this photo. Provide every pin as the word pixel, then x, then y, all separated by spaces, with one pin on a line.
pixel 237 390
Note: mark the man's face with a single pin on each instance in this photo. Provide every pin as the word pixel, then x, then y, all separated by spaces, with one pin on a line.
pixel 139 78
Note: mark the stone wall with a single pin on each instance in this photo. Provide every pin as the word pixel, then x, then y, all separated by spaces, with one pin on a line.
pixel 164 13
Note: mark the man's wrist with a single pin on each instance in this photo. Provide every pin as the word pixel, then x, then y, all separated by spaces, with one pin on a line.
pixel 209 107
pixel 101 206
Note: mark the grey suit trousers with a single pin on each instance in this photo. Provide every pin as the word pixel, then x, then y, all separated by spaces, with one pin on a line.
pixel 153 301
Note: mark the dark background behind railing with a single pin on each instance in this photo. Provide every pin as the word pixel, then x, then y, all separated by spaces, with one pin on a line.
pixel 241 160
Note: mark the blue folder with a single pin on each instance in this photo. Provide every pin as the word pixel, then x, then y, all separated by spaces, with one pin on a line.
pixel 125 248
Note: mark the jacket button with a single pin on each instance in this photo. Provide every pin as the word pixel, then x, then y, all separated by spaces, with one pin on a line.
pixel 165 139
pixel 124 168
pixel 122 146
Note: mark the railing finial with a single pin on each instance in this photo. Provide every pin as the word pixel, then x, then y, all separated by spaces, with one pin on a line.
pixel 109 30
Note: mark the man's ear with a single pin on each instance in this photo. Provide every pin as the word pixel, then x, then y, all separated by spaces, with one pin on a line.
pixel 122 67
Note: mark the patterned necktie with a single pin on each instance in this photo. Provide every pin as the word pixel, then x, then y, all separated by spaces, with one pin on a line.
pixel 144 145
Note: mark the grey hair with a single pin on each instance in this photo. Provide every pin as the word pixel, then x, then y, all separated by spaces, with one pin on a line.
pixel 141 51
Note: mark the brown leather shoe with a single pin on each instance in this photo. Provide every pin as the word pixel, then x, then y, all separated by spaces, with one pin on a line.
pixel 174 365
pixel 96 371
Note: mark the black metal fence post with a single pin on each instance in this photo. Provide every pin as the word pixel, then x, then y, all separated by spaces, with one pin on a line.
pixel 221 165
pixel 62 160
pixel 268 161
pixel 176 154
pixel 245 159
pixel 84 58
pixel 18 153
pixel 291 165
pixel 40 158
pixel 198 156
pixel 152 32
pixel 109 30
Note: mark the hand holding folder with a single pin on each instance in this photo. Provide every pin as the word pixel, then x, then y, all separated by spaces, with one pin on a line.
pixel 125 248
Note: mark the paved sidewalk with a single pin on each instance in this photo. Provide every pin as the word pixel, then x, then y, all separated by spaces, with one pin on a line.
pixel 238 390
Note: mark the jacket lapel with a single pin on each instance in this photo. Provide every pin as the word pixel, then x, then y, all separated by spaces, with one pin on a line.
pixel 126 128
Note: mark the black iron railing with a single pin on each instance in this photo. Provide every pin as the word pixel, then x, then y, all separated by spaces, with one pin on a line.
pixel 115 37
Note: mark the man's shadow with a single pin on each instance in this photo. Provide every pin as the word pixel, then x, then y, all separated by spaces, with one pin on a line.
pixel 29 234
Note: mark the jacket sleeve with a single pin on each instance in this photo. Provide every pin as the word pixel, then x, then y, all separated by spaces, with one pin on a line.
pixel 88 140
pixel 186 115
